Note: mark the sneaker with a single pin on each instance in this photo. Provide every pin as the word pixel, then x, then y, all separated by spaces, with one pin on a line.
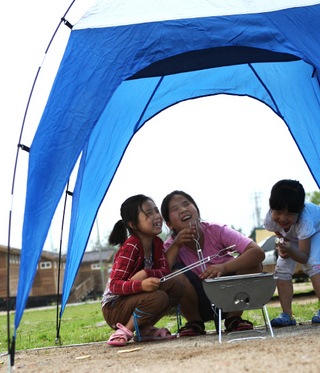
pixel 316 318
pixel 284 320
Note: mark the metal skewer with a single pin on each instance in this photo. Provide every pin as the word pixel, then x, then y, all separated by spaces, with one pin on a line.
pixel 199 251
pixel 196 264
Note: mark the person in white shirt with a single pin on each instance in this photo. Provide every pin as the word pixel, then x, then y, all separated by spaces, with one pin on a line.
pixel 297 227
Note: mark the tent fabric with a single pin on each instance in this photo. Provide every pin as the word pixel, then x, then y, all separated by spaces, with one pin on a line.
pixel 124 63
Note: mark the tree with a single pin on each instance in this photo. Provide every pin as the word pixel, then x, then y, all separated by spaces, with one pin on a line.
pixel 100 244
pixel 314 197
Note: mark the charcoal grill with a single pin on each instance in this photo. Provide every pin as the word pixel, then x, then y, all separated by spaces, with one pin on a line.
pixel 240 293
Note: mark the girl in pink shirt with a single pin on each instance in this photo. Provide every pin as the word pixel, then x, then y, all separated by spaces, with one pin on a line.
pixel 182 216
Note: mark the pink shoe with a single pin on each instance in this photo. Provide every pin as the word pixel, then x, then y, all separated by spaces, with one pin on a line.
pixel 151 333
pixel 121 333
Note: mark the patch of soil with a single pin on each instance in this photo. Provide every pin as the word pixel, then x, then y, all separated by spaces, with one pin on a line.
pixel 294 348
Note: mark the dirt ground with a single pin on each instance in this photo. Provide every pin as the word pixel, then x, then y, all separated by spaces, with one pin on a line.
pixel 293 348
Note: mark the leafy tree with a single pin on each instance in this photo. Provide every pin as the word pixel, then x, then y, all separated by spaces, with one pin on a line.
pixel 102 243
pixel 314 197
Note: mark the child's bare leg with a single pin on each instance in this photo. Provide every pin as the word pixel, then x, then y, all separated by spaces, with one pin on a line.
pixel 316 286
pixel 130 324
pixel 315 279
pixel 285 290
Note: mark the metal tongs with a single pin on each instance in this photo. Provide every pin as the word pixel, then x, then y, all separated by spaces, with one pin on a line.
pixel 201 261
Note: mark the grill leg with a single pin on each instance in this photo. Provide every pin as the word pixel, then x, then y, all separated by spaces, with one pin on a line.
pixel 220 325
pixel 265 313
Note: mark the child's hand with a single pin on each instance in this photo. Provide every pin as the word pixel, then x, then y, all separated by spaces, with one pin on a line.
pixel 184 236
pixel 150 284
pixel 283 254
pixel 284 249
pixel 216 270
pixel 139 276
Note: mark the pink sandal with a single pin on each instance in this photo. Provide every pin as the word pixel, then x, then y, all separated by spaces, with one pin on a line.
pixel 156 334
pixel 121 333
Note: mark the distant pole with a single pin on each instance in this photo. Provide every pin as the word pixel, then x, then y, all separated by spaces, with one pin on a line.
pixel 100 255
pixel 257 210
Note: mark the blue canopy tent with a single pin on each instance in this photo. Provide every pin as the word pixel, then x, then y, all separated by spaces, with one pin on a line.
pixel 128 60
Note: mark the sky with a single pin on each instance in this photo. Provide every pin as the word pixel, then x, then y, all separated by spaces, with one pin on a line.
pixel 227 152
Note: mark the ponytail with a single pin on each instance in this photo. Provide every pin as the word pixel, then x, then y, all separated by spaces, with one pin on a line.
pixel 129 212
pixel 119 234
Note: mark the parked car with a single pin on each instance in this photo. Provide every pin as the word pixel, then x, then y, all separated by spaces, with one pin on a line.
pixel 269 247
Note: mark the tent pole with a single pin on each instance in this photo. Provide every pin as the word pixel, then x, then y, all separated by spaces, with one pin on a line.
pixel 58 322
pixel 11 350
pixel 10 356
pixel 100 256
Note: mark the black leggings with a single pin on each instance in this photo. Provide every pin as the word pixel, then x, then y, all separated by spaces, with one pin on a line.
pixel 206 309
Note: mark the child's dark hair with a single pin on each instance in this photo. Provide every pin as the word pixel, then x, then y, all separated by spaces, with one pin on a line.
pixel 129 212
pixel 287 194
pixel 166 202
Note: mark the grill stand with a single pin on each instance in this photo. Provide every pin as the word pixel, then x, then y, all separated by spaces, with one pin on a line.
pixel 266 321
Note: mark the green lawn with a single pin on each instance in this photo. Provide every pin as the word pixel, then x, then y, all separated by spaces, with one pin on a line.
pixel 85 324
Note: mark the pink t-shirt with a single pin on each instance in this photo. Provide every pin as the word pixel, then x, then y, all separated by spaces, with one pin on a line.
pixel 216 238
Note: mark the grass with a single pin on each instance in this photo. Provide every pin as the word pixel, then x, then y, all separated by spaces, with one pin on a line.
pixel 85 324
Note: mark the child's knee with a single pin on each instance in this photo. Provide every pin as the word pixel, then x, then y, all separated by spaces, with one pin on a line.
pixel 177 285
pixel 152 306
pixel 161 300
